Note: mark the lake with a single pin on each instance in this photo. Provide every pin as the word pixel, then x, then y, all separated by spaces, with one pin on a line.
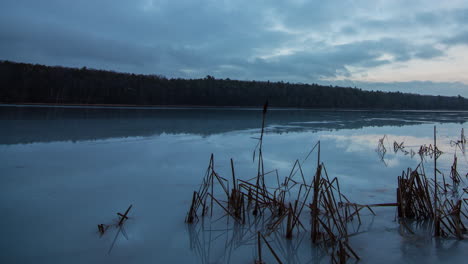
pixel 64 170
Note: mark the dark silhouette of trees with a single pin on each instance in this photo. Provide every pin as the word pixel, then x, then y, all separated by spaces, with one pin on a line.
pixel 28 83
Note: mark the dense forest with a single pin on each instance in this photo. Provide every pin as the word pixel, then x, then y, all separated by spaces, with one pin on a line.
pixel 28 83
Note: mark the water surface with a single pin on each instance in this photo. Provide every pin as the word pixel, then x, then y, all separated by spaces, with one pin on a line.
pixel 65 170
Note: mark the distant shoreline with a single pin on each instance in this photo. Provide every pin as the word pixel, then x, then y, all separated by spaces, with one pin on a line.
pixel 207 107
pixel 29 84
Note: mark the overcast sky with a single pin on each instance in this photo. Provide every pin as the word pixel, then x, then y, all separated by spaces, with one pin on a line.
pixel 410 46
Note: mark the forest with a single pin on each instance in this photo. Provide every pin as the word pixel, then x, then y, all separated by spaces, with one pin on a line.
pixel 32 83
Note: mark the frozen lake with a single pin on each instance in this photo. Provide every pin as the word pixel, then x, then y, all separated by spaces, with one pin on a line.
pixel 65 170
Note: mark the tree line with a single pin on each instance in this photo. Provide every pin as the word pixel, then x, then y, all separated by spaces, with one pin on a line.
pixel 32 83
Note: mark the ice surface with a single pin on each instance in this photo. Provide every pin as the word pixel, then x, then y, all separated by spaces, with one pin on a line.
pixel 64 171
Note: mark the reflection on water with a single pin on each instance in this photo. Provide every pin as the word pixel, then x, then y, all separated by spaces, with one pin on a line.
pixel 237 243
pixel 47 124
pixel 227 241
pixel 410 146
pixel 84 165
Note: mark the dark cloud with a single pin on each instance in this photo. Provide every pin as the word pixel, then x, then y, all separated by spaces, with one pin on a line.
pixel 427 52
pixel 460 16
pixel 56 42
pixel 458 39
pixel 331 61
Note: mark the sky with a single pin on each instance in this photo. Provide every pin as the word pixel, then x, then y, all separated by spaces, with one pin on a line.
pixel 409 46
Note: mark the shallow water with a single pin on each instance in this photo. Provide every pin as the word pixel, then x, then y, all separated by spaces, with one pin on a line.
pixel 65 170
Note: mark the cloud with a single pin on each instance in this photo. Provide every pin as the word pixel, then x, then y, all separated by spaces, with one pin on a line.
pixel 295 41
pixel 458 39
pixel 328 61
pixel 69 44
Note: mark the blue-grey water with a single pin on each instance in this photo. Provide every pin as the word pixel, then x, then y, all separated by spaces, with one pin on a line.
pixel 63 170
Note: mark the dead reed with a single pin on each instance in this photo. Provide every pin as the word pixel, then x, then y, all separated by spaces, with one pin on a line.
pixel 102 228
pixel 281 206
pixel 268 211
pixel 437 200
